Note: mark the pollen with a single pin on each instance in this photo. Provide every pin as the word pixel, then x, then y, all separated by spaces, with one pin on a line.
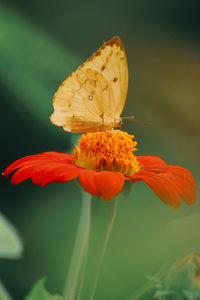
pixel 107 151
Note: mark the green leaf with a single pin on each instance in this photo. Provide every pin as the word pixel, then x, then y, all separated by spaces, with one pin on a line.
pixel 10 243
pixel 39 292
pixel 154 280
pixel 192 295
pixel 161 293
pixel 181 278
pixel 3 293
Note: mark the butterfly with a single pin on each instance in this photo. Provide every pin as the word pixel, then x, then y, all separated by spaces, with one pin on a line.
pixel 92 98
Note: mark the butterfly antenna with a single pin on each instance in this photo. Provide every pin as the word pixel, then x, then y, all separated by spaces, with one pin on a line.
pixel 132 119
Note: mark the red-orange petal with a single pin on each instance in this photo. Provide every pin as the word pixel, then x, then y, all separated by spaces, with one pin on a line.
pixel 150 161
pixel 45 156
pixel 43 168
pixel 168 182
pixel 162 188
pixel 184 183
pixel 103 184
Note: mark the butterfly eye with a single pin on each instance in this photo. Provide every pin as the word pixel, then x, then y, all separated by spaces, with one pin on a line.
pixel 90 97
pixel 118 122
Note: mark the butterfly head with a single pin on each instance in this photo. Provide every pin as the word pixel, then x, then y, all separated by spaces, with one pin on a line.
pixel 118 122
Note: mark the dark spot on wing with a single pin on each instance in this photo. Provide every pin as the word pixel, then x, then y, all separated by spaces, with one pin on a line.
pixel 105 88
pixel 115 79
pixel 102 116
pixel 114 41
pixel 103 68
pixel 97 53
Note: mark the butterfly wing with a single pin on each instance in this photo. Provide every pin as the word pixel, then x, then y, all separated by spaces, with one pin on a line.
pixel 78 104
pixel 110 61
pixel 93 96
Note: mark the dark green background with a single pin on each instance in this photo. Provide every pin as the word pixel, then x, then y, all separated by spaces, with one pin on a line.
pixel 41 42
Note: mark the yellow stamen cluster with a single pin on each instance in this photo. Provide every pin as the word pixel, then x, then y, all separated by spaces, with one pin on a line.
pixel 110 151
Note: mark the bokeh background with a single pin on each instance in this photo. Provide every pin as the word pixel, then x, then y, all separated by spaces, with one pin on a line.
pixel 41 42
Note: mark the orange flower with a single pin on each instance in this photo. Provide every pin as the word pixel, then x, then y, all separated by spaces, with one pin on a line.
pixel 103 161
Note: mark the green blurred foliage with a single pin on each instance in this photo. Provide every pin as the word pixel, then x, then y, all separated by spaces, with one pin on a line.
pixel 10 247
pixel 41 42
pixel 39 292
pixel 3 293
pixel 178 282
pixel 10 243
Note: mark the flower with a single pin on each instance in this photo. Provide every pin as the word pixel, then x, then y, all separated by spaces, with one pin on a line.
pixel 102 161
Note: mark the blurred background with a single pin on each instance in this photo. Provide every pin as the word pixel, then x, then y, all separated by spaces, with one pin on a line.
pixel 41 43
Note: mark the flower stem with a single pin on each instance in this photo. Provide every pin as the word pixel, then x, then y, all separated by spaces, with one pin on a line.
pixel 80 246
pixel 82 275
pixel 107 237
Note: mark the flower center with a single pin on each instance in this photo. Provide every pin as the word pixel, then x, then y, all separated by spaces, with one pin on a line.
pixel 110 151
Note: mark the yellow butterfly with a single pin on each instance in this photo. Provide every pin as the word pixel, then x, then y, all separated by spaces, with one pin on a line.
pixel 92 98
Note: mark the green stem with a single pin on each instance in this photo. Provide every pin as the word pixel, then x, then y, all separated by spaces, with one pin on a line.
pixel 80 246
pixel 82 275
pixel 107 237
